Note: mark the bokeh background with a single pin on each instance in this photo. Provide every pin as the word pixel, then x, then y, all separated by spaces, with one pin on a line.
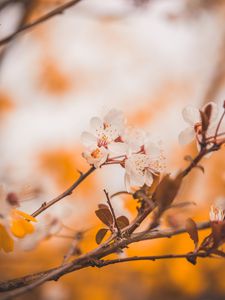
pixel 147 58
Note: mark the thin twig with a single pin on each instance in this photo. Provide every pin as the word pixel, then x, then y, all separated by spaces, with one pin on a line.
pixel 103 263
pixel 57 11
pixel 120 193
pixel 219 124
pixel 113 213
pixel 67 192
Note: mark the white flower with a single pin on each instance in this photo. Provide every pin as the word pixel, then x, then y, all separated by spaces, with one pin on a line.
pixel 106 131
pixel 192 116
pixel 217 211
pixel 134 139
pixel 140 167
pixel 96 156
pixel 104 138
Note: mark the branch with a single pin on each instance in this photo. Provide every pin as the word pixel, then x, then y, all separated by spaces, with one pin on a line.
pixel 67 192
pixel 29 282
pixel 57 11
pixel 103 263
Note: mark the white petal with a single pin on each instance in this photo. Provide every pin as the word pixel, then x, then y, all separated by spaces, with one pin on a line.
pixel 88 139
pixel 127 183
pixel 152 149
pixel 191 115
pixel 137 179
pixel 117 148
pixel 95 123
pixel 149 178
pixel 186 136
pixel 128 166
pixel 114 117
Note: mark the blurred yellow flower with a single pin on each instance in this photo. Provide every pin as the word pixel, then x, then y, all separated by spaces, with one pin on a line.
pixel 13 222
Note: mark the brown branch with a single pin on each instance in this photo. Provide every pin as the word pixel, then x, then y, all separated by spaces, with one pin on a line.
pixel 24 284
pixel 103 263
pixel 67 192
pixel 27 8
pixel 57 11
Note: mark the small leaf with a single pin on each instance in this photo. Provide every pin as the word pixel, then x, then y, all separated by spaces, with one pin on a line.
pixel 101 205
pixel 208 111
pixel 204 121
pixel 188 158
pixel 100 235
pixel 122 222
pixel 105 216
pixel 167 190
pixel 192 231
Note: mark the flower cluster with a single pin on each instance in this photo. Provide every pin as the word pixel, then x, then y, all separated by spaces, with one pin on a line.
pixel 110 141
pixel 13 222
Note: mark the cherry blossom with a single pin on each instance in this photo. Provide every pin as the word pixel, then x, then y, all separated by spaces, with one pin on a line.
pixel 96 156
pixel 104 138
pixel 141 167
pixel 192 116
pixel 13 222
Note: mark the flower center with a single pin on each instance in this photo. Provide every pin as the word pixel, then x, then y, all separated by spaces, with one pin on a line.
pixel 96 153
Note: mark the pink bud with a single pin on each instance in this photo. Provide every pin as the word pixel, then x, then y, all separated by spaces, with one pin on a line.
pixel 12 199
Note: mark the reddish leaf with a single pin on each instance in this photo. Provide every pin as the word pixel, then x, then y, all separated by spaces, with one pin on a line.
pixel 205 121
pixel 192 231
pixel 100 235
pixel 208 111
pixel 105 216
pixel 101 205
pixel 167 190
pixel 122 222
